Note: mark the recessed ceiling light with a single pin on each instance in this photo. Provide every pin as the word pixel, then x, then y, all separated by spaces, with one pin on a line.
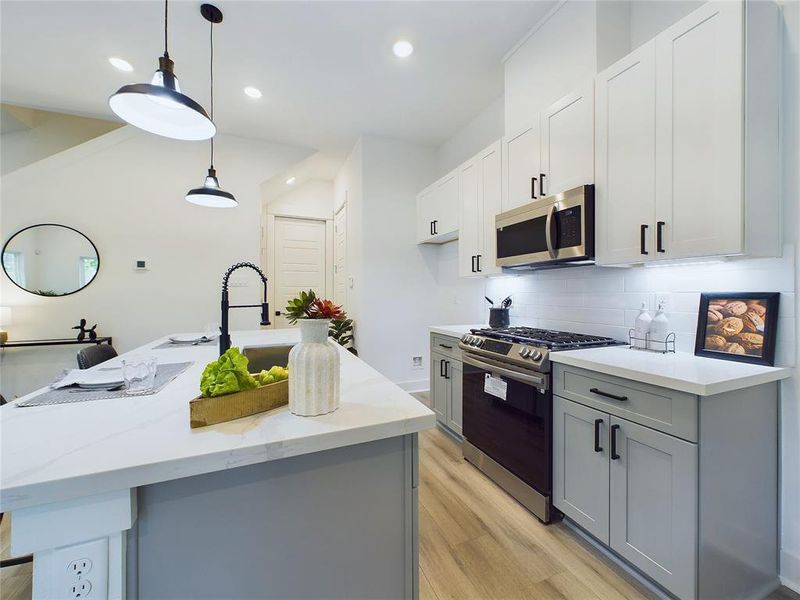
pixel 253 92
pixel 291 180
pixel 402 49
pixel 122 65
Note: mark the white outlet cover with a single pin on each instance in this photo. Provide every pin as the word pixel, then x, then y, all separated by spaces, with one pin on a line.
pixel 91 558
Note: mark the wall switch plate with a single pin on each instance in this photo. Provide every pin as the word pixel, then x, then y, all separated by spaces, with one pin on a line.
pixel 416 362
pixel 665 299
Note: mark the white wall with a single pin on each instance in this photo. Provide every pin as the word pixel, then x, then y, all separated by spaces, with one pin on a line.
pixel 311 199
pixel 48 133
pixel 486 127
pixel 125 191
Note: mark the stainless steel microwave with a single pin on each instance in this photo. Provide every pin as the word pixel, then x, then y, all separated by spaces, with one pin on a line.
pixel 554 231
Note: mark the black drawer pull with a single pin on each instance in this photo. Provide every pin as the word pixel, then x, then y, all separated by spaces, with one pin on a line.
pixel 660 236
pixel 597 446
pixel 446 346
pixel 614 455
pixel 643 239
pixel 608 395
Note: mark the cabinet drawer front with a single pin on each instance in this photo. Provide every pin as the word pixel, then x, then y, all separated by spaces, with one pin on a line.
pixel 448 346
pixel 663 409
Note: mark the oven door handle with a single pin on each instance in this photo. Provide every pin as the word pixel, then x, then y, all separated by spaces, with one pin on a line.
pixel 495 369
pixel 548 232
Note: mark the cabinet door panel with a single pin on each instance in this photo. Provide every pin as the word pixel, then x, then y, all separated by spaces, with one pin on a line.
pixel 439 387
pixel 699 132
pixel 568 142
pixel 580 473
pixel 446 215
pixel 469 245
pixel 521 163
pixel 425 210
pixel 454 409
pixel 491 192
pixel 625 190
pixel 654 505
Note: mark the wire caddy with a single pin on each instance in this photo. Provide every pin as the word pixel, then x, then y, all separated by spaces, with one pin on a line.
pixel 664 346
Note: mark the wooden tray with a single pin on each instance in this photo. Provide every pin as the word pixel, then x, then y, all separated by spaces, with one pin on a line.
pixel 209 411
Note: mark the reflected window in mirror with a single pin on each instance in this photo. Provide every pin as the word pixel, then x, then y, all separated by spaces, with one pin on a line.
pixel 50 260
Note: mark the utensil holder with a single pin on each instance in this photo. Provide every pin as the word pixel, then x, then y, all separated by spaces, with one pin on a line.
pixel 498 317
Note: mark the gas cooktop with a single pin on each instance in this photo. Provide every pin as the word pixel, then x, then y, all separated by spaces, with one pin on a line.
pixel 527 347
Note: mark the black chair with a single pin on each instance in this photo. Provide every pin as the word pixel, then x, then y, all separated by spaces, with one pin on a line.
pixel 94 355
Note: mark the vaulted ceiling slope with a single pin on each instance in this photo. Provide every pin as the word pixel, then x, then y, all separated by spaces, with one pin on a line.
pixel 326 69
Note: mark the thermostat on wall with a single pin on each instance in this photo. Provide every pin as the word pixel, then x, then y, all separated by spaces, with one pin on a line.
pixel 141 265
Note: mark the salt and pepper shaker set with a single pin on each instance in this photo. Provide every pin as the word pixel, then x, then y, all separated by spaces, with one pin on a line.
pixel 651 332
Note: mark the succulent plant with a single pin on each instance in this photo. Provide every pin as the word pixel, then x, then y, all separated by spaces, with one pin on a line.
pixel 300 307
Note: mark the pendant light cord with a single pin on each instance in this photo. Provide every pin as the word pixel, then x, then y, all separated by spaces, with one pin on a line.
pixel 211 69
pixel 166 23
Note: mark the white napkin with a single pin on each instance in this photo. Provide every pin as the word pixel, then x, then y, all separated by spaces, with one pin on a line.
pixel 102 378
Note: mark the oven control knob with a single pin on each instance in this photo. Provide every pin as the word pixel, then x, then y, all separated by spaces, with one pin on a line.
pixel 464 338
pixel 537 355
pixel 476 341
pixel 525 352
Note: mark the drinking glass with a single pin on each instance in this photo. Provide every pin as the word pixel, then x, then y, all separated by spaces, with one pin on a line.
pixel 139 373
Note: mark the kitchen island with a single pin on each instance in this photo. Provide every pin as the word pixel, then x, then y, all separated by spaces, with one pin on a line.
pixel 267 506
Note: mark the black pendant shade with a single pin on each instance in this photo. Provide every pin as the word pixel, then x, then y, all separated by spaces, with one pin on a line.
pixel 159 106
pixel 211 194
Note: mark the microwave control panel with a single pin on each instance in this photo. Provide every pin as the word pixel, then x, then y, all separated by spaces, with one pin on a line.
pixel 568 223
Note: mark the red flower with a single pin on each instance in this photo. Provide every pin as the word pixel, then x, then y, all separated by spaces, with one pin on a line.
pixel 325 309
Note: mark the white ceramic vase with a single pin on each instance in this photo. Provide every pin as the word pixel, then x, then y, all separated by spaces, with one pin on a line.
pixel 313 371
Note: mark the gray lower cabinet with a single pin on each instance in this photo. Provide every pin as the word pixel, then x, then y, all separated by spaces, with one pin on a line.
pixel 684 488
pixel 446 385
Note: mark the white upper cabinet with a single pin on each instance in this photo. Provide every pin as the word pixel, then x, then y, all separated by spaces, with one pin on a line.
pixel 567 153
pixel 688 140
pixel 437 211
pixel 481 194
pixel 625 164
pixel 522 166
pixel 699 133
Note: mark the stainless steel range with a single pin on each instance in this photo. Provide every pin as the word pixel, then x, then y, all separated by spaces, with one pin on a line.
pixel 508 408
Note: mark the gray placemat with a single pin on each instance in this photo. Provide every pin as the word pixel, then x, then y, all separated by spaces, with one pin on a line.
pixel 169 344
pixel 164 374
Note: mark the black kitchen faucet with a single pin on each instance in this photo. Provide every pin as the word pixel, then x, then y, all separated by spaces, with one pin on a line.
pixel 225 338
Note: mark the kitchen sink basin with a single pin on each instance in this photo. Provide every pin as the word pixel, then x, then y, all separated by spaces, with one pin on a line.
pixel 264 357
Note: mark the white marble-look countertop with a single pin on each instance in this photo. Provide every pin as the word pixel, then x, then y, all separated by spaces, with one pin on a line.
pixel 59 452
pixel 678 371
pixel 454 330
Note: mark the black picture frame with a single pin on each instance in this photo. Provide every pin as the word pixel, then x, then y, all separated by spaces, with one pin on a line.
pixel 718 303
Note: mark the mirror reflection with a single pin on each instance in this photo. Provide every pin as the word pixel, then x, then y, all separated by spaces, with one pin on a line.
pixel 50 260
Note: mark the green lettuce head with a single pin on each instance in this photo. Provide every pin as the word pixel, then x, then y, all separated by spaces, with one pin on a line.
pixel 227 375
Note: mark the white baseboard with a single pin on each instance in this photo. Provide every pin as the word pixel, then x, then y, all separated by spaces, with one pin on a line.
pixel 790 570
pixel 420 385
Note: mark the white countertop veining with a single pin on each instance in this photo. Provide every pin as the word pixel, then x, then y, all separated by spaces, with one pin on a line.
pixel 58 452
pixel 679 371
pixel 454 330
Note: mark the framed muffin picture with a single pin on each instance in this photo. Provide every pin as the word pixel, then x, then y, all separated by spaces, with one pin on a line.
pixel 738 327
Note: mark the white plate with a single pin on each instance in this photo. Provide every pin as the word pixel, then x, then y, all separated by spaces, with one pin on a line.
pixel 184 339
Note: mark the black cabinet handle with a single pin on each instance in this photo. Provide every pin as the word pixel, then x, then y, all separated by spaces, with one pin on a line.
pixel 446 346
pixel 441 367
pixel 434 228
pixel 431 227
pixel 478 262
pixel 660 236
pixel 473 263
pixel 446 369
pixel 533 188
pixel 541 184
pixel 643 239
pixel 597 446
pixel 614 455
pixel 608 395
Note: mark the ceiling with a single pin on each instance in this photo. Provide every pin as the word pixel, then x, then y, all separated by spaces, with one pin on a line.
pixel 326 69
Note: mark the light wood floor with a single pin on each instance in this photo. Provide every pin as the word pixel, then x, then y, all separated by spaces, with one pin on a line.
pixel 476 542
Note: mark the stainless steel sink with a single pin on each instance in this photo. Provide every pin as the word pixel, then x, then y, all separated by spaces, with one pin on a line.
pixel 264 357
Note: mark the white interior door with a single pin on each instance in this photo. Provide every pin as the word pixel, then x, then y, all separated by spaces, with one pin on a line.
pixel 299 250
pixel 340 256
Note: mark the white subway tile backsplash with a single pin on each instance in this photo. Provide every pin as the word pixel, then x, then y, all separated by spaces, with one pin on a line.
pixel 604 301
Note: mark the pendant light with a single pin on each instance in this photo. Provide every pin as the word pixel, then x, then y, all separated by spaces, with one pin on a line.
pixel 211 194
pixel 159 106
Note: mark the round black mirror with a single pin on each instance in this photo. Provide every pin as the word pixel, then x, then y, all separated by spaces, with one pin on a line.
pixel 50 260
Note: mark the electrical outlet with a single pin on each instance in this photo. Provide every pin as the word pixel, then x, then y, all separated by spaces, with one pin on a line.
pixel 82 570
pixel 665 299
pixel 416 362
pixel 80 589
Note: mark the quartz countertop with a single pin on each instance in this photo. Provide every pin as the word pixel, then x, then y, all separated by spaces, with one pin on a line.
pixel 454 330
pixel 678 371
pixel 58 452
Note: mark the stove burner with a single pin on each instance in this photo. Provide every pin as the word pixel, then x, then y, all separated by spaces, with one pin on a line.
pixel 554 340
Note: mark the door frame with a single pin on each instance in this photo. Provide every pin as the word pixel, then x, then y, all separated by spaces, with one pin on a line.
pixel 268 258
pixel 340 208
